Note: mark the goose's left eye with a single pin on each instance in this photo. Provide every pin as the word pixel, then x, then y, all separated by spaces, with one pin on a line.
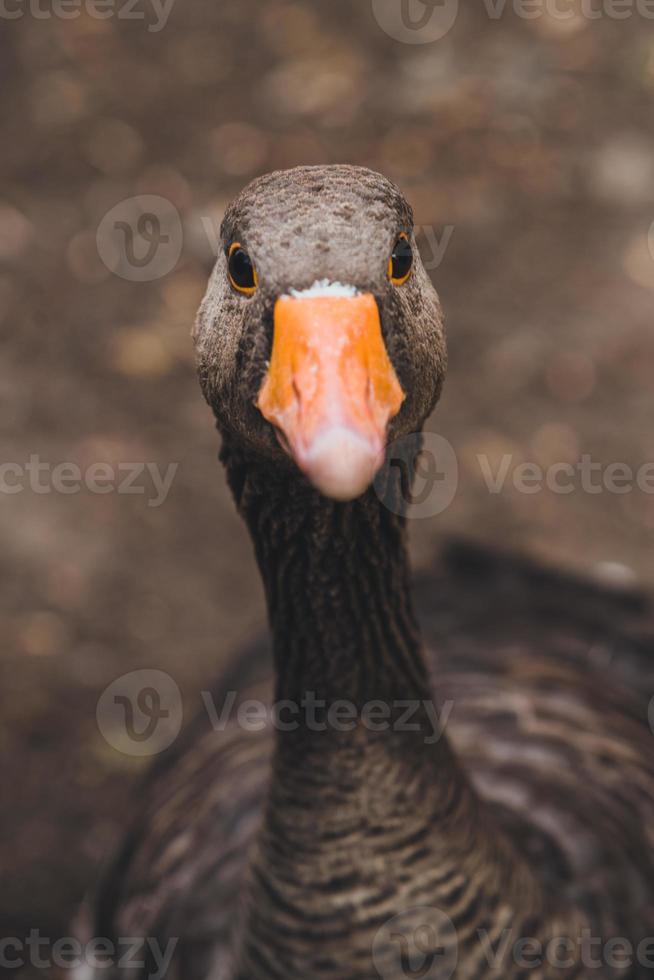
pixel 242 273
pixel 400 263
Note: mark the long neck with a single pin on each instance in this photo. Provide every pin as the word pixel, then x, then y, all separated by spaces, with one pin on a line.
pixel 369 812
pixel 336 581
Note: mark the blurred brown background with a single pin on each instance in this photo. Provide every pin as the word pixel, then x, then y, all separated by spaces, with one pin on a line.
pixel 532 138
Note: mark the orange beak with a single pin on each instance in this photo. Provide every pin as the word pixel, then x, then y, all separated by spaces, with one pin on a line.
pixel 331 389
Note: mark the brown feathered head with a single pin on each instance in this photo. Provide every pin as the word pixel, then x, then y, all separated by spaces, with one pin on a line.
pixel 320 336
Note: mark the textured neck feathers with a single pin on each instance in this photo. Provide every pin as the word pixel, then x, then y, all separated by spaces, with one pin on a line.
pixel 336 579
pixel 363 820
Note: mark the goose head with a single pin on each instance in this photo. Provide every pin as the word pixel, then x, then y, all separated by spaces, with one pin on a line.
pixel 320 337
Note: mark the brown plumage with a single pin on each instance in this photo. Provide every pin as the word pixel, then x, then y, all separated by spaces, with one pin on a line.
pixel 290 853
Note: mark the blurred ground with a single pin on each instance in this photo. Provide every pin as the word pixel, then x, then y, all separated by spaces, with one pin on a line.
pixel 532 138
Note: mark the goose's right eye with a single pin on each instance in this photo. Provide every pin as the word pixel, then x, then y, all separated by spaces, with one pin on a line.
pixel 242 273
pixel 400 264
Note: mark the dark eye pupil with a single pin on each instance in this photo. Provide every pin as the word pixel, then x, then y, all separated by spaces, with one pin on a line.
pixel 402 259
pixel 241 269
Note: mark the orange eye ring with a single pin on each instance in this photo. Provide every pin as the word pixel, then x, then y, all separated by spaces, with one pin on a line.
pixel 241 270
pixel 400 264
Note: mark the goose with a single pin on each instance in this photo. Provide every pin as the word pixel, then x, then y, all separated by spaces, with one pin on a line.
pixel 474 800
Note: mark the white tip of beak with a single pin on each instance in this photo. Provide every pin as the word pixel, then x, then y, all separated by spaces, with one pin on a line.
pixel 341 464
